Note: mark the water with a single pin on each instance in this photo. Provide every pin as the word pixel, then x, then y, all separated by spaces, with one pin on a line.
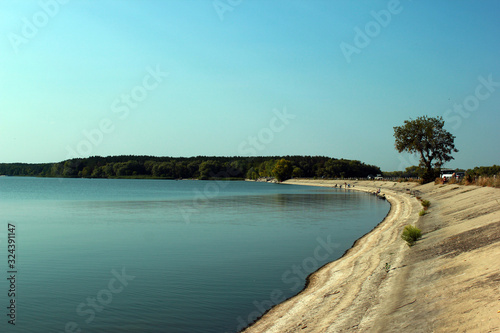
pixel 167 256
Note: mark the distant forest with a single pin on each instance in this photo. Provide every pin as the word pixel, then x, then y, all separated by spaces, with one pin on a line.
pixel 200 167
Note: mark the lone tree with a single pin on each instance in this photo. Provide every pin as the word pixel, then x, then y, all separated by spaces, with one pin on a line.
pixel 427 137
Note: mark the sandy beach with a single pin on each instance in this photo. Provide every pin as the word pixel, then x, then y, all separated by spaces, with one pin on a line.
pixel 449 281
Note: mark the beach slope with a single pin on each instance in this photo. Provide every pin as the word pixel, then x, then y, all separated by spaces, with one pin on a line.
pixel 447 282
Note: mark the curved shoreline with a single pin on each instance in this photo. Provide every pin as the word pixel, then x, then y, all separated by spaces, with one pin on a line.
pixel 342 290
pixel 356 293
pixel 311 275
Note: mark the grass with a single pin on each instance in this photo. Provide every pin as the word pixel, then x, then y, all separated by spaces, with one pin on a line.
pixel 425 204
pixel 422 212
pixel 411 234
pixel 488 181
pixel 484 181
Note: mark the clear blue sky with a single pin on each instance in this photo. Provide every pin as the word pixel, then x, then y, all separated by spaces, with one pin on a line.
pixel 344 75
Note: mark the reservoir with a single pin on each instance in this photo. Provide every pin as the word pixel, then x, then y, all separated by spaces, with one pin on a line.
pixel 105 255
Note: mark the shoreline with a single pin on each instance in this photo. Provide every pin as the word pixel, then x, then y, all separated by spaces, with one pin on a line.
pixel 419 290
pixel 310 276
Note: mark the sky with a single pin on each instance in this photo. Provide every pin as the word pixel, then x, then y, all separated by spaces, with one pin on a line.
pixel 246 78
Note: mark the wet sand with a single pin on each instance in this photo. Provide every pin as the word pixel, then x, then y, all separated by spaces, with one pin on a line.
pixel 449 281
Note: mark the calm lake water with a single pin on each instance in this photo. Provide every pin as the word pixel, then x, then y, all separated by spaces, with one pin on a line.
pixel 98 255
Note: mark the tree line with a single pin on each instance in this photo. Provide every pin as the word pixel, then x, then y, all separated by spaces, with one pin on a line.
pixel 484 171
pixel 200 167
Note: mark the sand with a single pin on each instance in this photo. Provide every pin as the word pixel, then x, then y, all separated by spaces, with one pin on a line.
pixel 449 281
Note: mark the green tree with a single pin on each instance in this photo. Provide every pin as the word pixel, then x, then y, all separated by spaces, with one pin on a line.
pixel 266 168
pixel 121 169
pixel 209 169
pixel 252 174
pixel 56 170
pixel 71 168
pixel 297 172
pixel 412 171
pixel 86 172
pixel 426 137
pixel 283 170
pixel 109 170
pixel 181 170
pixel 193 169
pixel 164 170
pixel 148 166
pixel 98 172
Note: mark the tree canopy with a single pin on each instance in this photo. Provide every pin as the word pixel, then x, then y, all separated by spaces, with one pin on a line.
pixel 283 170
pixel 427 137
pixel 199 167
